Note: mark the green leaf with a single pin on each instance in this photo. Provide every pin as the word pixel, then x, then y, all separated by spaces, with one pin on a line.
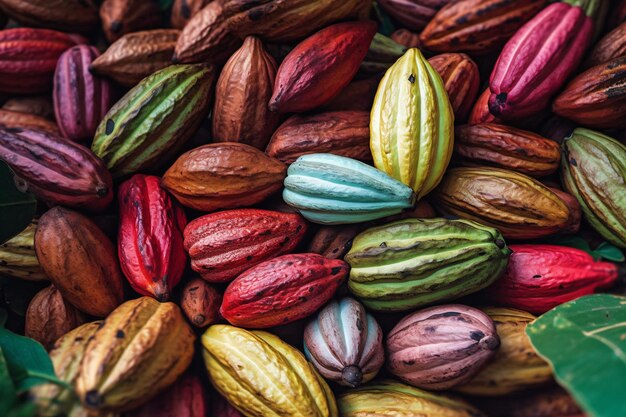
pixel 573 241
pixel 16 208
pixel 386 26
pixel 585 343
pixel 609 252
pixel 23 410
pixel 9 396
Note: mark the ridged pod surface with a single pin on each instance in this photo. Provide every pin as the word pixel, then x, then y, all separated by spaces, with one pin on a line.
pixel 411 126
pixel 344 133
pixel 413 14
pixel 154 119
pixel 14 119
pixel 261 375
pixel 540 277
pixel 183 10
pixel 480 112
pixel 593 170
pixel 282 290
pixel 81 99
pixel 55 169
pixel 223 175
pixel 150 237
pixel 332 189
pixel 477 26
pixel 407 38
pixel 18 258
pixel 222 245
pixel 440 347
pixel 611 46
pixel 414 262
pixel 538 59
pixel 516 366
pixel 141 348
pixel 200 302
pixel 333 242
pixel 65 15
pixel 125 16
pixel 519 206
pixel 345 343
pixel 506 147
pixel 461 78
pixel 184 398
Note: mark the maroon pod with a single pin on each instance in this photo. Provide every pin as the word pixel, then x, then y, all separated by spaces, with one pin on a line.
pixel 81 99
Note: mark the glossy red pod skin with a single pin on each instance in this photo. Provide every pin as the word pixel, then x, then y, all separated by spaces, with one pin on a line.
pixel 150 237
pixel 222 245
pixel 540 277
pixel 81 99
pixel 282 290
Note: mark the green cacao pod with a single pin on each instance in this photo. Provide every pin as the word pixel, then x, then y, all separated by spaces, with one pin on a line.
pixel 412 124
pixel 593 169
pixel 154 119
pixel 18 258
pixel 414 262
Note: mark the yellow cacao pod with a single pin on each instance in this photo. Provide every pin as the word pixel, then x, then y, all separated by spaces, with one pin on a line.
pixel 18 258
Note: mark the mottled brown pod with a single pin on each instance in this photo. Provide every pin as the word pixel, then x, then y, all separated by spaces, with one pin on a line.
pixel 36 105
pixel 183 10
pixel 407 38
pixel 612 45
pixel 65 15
pixel 461 78
pixel 201 302
pixel 14 119
pixel 125 16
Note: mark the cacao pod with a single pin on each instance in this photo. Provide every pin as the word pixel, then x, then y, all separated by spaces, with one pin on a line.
pixel 281 290
pixel 538 59
pixel 461 79
pixel 319 67
pixel 407 38
pixel 125 16
pixel 183 10
pixel 49 317
pixel 223 245
pixel 357 96
pixel 154 119
pixel 243 90
pixel 382 53
pixel 480 112
pixel 344 133
pixel 455 258
pixel 66 243
pixel 391 398
pixel 150 237
pixel 56 169
pixel 515 366
pixel 141 348
pixel 38 51
pixel 440 347
pixel 222 408
pixel 223 175
pixel 575 211
pixel 421 210
pixel 413 14
pixel 332 189
pixel 201 302
pixel 412 143
pixel 333 242
pixel 260 375
pixel 65 15
pixel 13 119
pixel 557 128
pixel 477 26
pixel 519 206
pixel 18 258
pixel 540 277
pixel 597 97
pixel 551 402
pixel 81 99
pixel 506 147
pixel 611 46
pixel 136 55
pixel 345 343
pixel 36 105
pixel 593 170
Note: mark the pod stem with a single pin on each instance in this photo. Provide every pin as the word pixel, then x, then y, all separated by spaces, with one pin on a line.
pixel 352 376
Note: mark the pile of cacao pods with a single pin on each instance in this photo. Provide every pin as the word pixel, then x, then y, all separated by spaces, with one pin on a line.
pixel 309 207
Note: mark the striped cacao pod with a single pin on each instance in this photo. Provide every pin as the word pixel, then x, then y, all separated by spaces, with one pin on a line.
pixel 455 258
pixel 183 10
pixel 413 14
pixel 18 258
pixel 125 16
pixel 200 302
pixel 332 189
pixel 396 127
pixel 440 347
pixel 461 78
pixel 14 119
pixel 65 15
pixel 611 46
pixel 245 366
pixel 282 290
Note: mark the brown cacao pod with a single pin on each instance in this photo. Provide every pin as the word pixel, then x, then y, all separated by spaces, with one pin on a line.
pixel 413 14
pixel 612 45
pixel 477 26
pixel 80 260
pixel 223 175
pixel 136 55
pixel 575 211
pixel 344 133
pixel 407 38
pixel 125 16
pixel 65 15
pixel 358 96
pixel 49 317
pixel 206 37
pixel 243 90
pixel 36 105
pixel 506 147
pixel 183 10
pixel 480 112
pixel 13 119
pixel 597 97
pixel 550 402
pixel 461 78
pixel 333 242
pixel 200 302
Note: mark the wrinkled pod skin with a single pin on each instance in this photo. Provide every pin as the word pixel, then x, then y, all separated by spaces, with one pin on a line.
pixel 407 38
pixel 183 10
pixel 413 14
pixel 126 16
pixel 611 46
pixel 65 15
pixel 461 78
pixel 200 302
pixel 14 119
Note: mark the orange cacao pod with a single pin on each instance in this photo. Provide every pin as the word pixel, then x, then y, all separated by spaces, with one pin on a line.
pixel 358 95
pixel 125 16
pixel 201 303
pixel 36 105
pixel 183 10
pixel 184 398
pixel 65 15
pixel 407 38
pixel 612 45
pixel 14 119
pixel 480 112
pixel 461 78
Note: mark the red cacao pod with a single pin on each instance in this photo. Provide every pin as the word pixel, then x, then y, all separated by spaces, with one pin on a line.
pixel 540 277
pixel 125 16
pixel 222 408
pixel 201 302
pixel 461 78
pixel 183 10
pixel 222 245
pixel 13 119
pixel 358 95
pixel 38 51
pixel 66 15
pixel 282 290
pixel 413 14
pixel 477 26
pixel 56 169
pixel 81 99
pixel 538 59
pixel 344 133
pixel 407 38
pixel 319 67
pixel 506 147
pixel 150 237
pixel 480 112
pixel 612 45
